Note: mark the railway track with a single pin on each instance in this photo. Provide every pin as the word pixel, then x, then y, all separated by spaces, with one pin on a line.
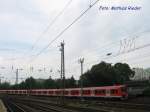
pixel 117 104
pixel 12 107
pixel 51 107
pixel 17 107
pixel 89 106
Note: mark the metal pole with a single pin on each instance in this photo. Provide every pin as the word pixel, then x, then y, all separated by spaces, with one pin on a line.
pixel 63 67
pixel 0 79
pixel 16 76
pixel 81 60
pixel 62 70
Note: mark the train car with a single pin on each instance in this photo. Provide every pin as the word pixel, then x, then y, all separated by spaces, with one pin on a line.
pixel 111 91
pixel 117 91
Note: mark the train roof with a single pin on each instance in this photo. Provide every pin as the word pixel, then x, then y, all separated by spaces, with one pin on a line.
pixel 85 88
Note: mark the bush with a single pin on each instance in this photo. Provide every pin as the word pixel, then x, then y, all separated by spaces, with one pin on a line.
pixel 147 92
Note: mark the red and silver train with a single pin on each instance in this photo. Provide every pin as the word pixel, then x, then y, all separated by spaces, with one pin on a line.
pixel 117 91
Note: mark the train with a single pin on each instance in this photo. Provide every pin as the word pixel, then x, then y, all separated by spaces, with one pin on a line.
pixel 116 91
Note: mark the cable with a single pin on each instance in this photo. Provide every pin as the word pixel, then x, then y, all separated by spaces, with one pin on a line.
pixel 10 50
pixel 47 28
pixel 103 49
pixel 104 55
pixel 64 30
pixel 27 57
pixel 143 60
pixel 147 45
pixel 51 23
pixel 132 50
pixel 135 57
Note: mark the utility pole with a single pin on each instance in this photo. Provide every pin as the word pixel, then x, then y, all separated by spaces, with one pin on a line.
pixel 62 70
pixel 81 61
pixel 1 78
pixel 17 73
pixel 1 74
pixel 16 76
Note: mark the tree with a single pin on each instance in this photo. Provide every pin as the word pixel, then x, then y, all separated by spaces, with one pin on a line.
pixel 49 83
pixel 104 74
pixel 123 71
pixel 30 83
pixel 99 75
pixel 4 85
pixel 58 83
pixel 70 82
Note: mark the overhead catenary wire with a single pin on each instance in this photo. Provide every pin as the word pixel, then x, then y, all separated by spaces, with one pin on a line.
pixel 131 50
pixel 143 46
pixel 104 55
pixel 118 54
pixel 31 56
pixel 135 61
pixel 46 29
pixel 103 50
pixel 96 50
pixel 128 38
pixel 35 55
pixel 51 23
pixel 65 29
pixel 138 60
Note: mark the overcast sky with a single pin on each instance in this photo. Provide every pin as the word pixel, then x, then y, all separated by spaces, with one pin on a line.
pixel 97 33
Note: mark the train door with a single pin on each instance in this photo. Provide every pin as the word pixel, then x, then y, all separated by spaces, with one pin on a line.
pixel 107 92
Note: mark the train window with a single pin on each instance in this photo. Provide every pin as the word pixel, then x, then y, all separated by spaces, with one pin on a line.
pixel 58 92
pixel 51 92
pixel 113 91
pixel 66 92
pixel 99 91
pixel 124 89
pixel 33 92
pixel 44 92
pixel 39 92
pixel 74 92
pixel 103 92
pixel 86 92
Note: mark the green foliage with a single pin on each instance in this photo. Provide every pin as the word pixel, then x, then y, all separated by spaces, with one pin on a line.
pixel 104 74
pixel 49 83
pixel 70 83
pixel 32 83
pixel 147 92
pixel 123 71
pixel 5 85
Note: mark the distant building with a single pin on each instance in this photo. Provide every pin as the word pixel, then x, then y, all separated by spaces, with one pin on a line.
pixel 141 74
